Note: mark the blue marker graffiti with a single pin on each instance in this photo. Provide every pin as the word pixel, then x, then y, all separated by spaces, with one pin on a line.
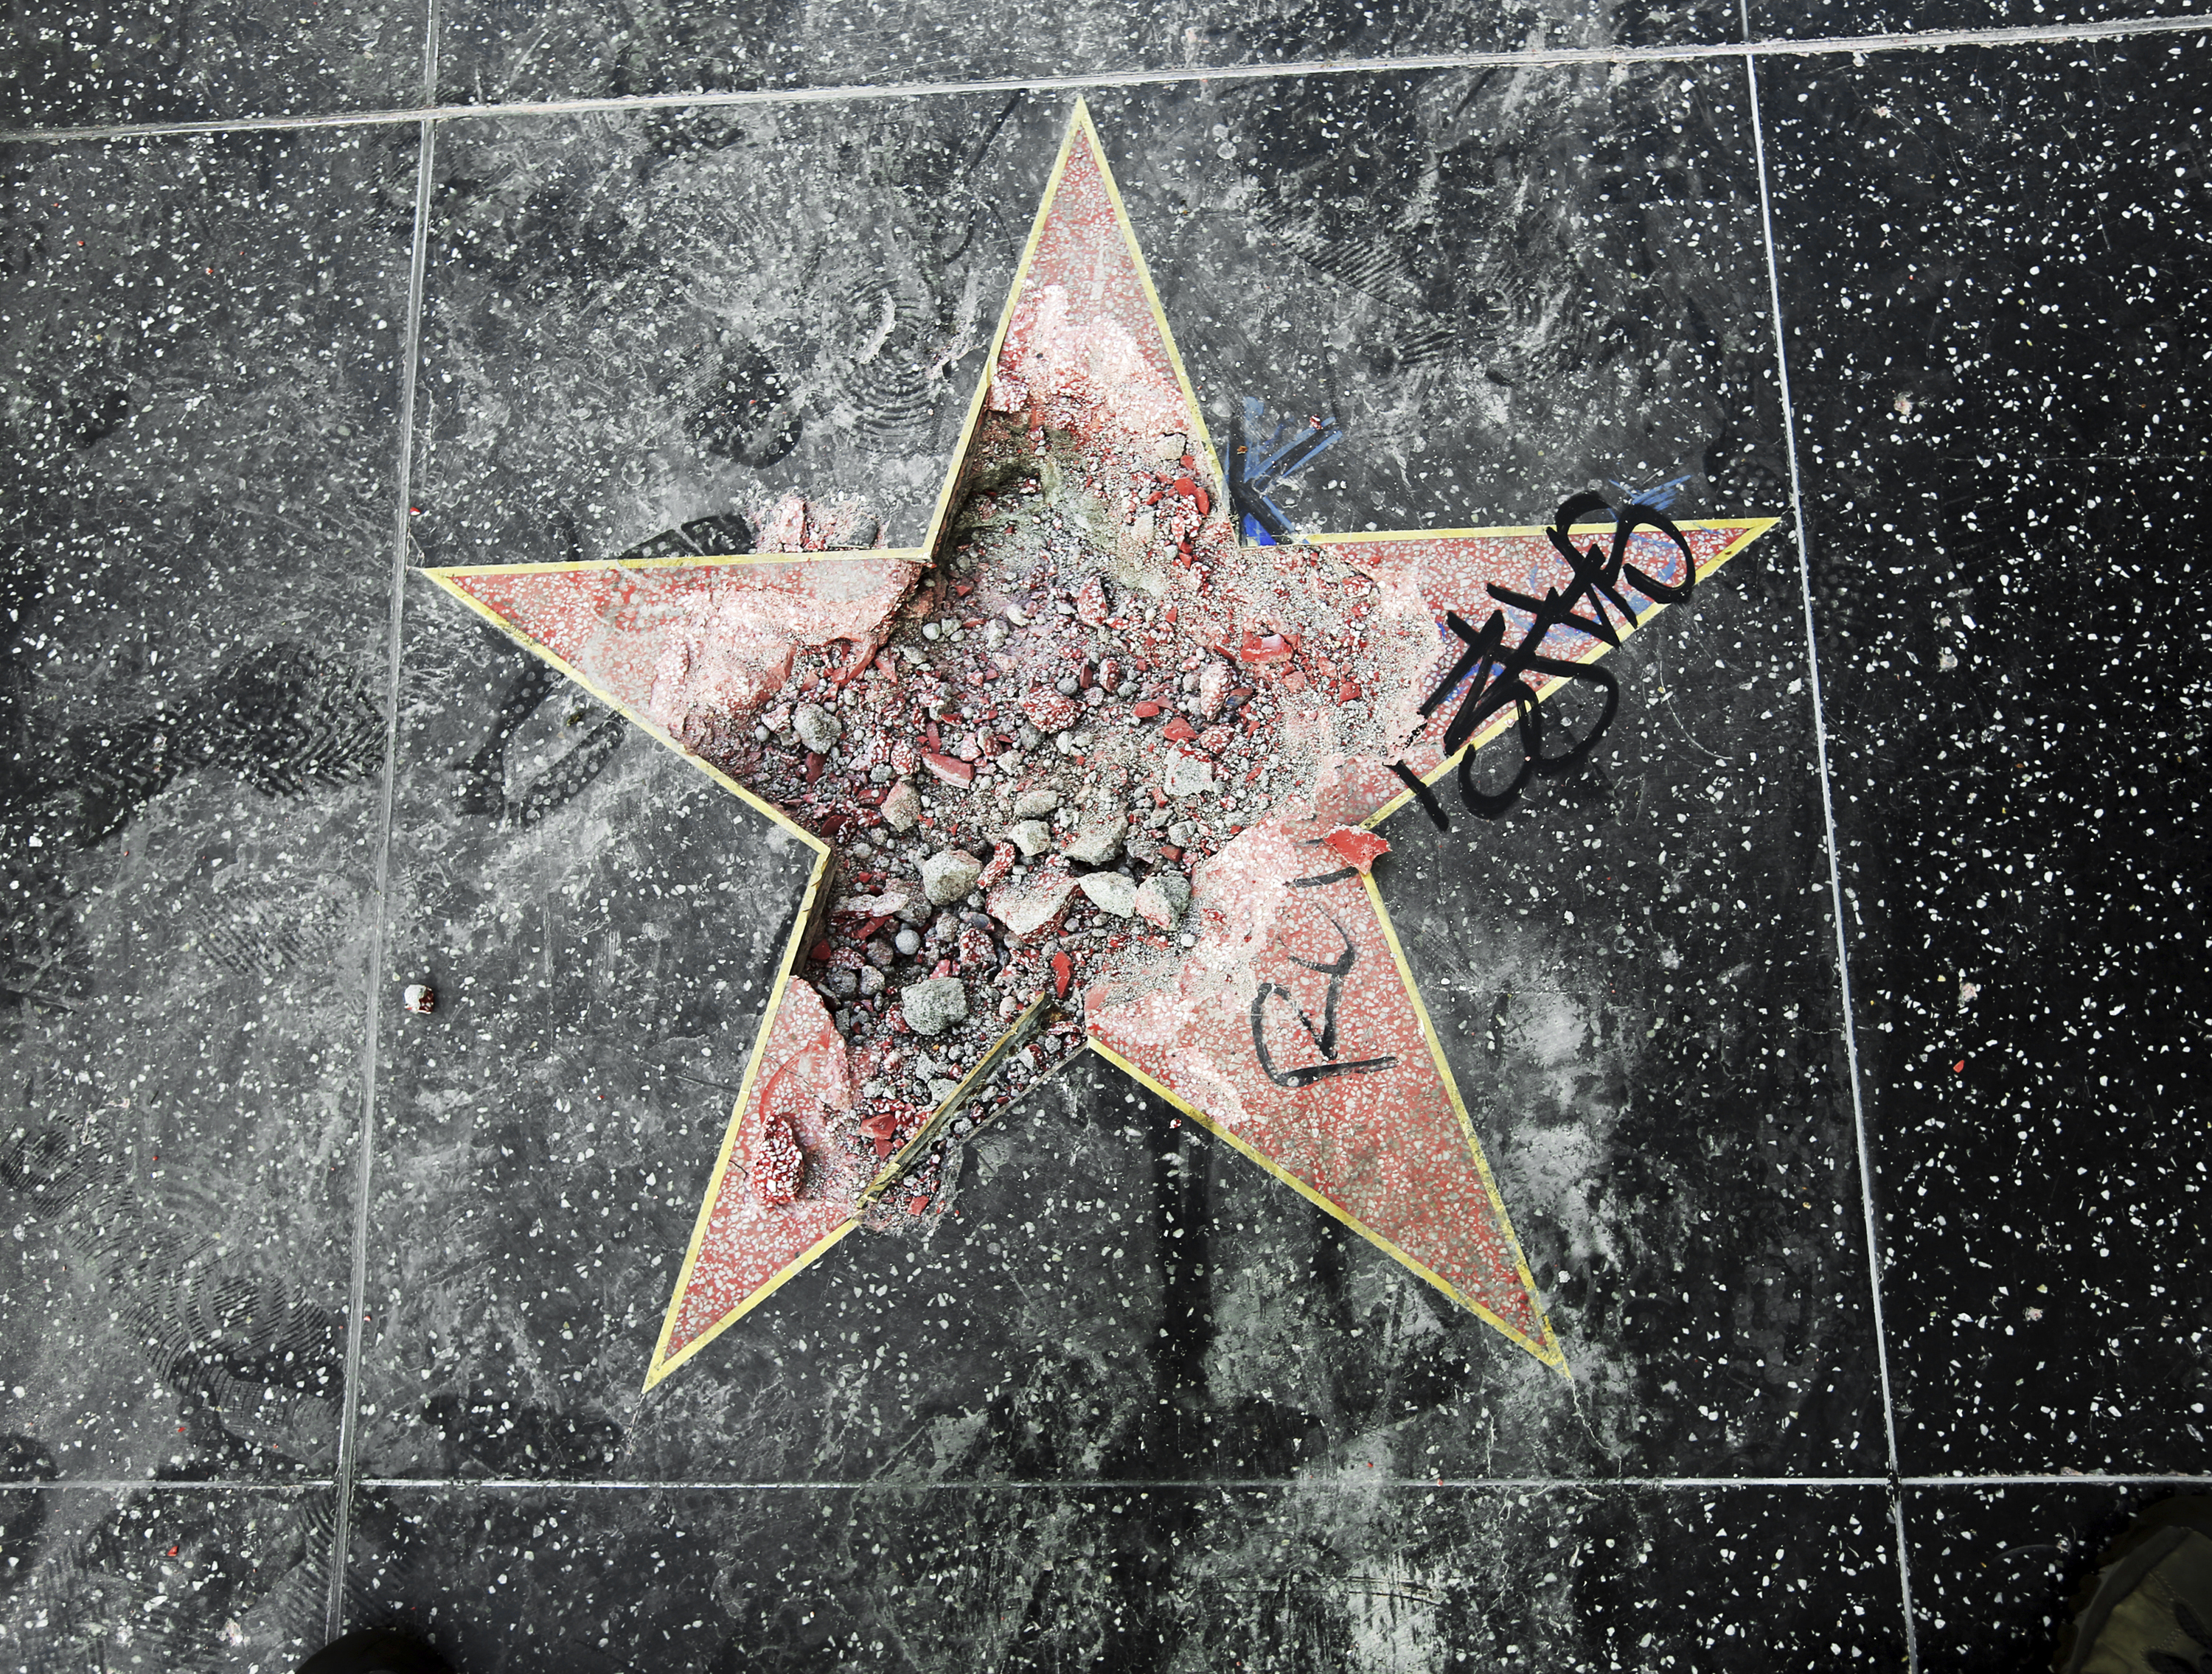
pixel 1260 463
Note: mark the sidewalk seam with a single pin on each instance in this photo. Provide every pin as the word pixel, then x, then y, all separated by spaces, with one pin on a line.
pixel 1933 40
pixel 357 1315
pixel 1865 1155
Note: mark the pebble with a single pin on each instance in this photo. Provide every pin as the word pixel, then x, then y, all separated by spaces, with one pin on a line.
pixel 1162 899
pixel 1032 804
pixel 933 1004
pixel 1097 840
pixel 907 941
pixel 817 729
pixel 901 806
pixel 1031 837
pixel 872 982
pixel 1110 892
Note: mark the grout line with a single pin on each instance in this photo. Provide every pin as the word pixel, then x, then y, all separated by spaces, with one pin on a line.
pixel 1835 854
pixel 1592 1484
pixel 1117 1484
pixel 1932 40
pixel 2062 1479
pixel 163 1485
pixel 432 22
pixel 357 1311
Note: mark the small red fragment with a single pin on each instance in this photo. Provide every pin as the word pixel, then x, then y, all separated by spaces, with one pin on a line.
pixel 1359 848
pixel 944 968
pixel 870 928
pixel 1959 1066
pixel 1091 604
pixel 1268 647
pixel 1347 691
pixel 813 766
pixel 1001 862
pixel 820 952
pixel 946 767
pixel 1180 729
pixel 881 1129
pixel 1047 709
pixel 1145 710
pixel 916 1205
pixel 770 1154
pixel 1062 969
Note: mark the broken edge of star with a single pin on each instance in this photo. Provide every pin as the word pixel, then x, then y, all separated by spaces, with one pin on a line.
pixel 1545 1349
pixel 1079 126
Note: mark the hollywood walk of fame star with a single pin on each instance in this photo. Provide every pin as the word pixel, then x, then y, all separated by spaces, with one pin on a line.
pixel 1081 656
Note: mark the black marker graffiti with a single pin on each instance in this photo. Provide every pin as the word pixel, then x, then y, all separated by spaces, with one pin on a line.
pixel 1596 582
pixel 1324 1038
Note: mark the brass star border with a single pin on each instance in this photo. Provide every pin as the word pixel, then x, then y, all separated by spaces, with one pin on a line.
pixel 1379 1135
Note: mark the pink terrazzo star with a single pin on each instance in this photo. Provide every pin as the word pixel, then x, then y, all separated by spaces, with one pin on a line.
pixel 1080 768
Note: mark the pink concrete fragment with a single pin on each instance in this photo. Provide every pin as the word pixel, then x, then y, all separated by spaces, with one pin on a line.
pixel 1026 908
pixel 1360 848
pixel 1047 709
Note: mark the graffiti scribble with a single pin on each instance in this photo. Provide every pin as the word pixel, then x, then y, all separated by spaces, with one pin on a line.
pixel 1260 463
pixel 1495 674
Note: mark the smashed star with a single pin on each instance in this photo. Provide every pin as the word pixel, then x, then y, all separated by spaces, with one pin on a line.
pixel 1283 1015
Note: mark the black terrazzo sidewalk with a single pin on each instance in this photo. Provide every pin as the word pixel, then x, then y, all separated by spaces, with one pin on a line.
pixel 1876 1247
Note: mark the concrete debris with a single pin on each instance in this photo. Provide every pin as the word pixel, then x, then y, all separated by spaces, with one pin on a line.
pixel 1163 899
pixel 902 807
pixel 1096 840
pixel 1110 892
pixel 933 1004
pixel 949 874
pixel 817 729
